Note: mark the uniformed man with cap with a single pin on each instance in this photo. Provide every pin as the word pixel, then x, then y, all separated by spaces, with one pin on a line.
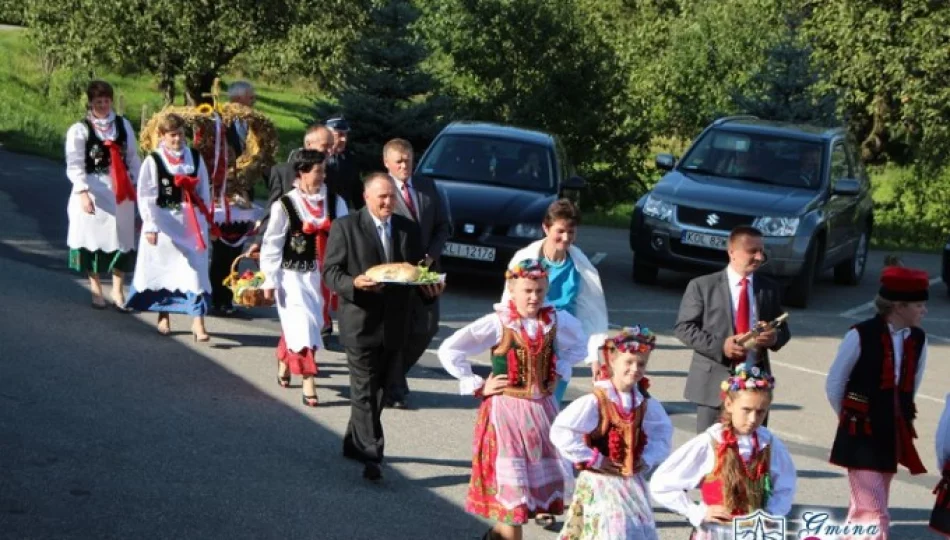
pixel 342 170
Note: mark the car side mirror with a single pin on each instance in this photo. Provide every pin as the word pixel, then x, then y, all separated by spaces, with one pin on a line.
pixel 665 162
pixel 847 187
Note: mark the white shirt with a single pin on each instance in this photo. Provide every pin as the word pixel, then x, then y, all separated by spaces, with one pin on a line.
pixel 943 437
pixel 486 332
pixel 848 353
pixel 734 288
pixel 388 231
pixel 686 467
pixel 582 417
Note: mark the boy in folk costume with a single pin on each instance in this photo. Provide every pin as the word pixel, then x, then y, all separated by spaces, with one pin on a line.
pixel 738 465
pixel 615 435
pixel 871 386
pixel 516 470
pixel 940 517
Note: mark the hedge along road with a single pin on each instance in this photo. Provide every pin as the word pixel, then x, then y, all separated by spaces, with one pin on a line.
pixel 105 422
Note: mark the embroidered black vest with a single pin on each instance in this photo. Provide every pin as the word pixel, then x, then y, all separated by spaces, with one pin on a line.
pixel 300 249
pixel 98 158
pixel 867 430
pixel 169 195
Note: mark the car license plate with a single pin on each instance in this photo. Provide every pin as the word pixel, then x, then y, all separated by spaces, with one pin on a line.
pixel 704 240
pixel 465 251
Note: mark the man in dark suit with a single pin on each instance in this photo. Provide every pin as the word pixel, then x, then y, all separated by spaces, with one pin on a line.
pixel 418 199
pixel 373 322
pixel 719 307
pixel 342 169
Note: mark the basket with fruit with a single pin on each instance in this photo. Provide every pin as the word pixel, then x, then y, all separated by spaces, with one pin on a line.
pixel 246 285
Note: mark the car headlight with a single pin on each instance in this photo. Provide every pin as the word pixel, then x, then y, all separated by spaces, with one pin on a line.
pixel 526 230
pixel 658 209
pixel 776 226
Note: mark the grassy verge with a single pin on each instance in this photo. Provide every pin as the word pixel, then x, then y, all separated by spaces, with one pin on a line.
pixel 36 110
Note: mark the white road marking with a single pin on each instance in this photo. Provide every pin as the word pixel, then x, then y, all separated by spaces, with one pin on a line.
pixel 598 258
pixel 868 305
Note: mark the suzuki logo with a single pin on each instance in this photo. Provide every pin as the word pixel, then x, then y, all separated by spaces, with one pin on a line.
pixel 469 228
pixel 712 219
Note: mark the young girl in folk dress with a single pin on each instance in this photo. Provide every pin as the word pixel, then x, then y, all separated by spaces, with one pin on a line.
pixel 516 471
pixel 615 435
pixel 292 247
pixel 738 466
pixel 171 271
pixel 101 162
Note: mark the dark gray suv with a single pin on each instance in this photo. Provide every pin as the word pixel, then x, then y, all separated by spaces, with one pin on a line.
pixel 802 186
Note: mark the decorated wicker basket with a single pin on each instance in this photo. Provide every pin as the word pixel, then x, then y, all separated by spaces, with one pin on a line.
pixel 246 285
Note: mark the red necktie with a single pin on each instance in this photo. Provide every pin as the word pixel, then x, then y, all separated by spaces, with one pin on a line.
pixel 742 311
pixel 408 198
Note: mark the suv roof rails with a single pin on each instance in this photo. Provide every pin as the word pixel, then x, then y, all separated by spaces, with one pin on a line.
pixel 725 119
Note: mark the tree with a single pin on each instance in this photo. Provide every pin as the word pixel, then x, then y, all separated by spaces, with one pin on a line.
pixel 532 63
pixel 784 90
pixel 383 91
pixel 165 37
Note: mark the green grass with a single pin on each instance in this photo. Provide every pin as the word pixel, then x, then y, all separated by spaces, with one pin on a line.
pixel 34 121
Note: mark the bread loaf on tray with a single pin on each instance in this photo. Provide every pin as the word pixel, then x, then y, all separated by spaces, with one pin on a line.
pixel 394 272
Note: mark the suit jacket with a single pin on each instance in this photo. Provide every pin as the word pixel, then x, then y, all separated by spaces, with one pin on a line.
pixel 370 319
pixel 433 215
pixel 706 318
pixel 343 173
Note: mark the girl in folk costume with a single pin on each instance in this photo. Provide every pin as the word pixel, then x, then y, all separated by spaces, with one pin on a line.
pixel 940 517
pixel 738 465
pixel 516 471
pixel 574 284
pixel 174 202
pixel 291 254
pixel 615 435
pixel 101 163
pixel 871 386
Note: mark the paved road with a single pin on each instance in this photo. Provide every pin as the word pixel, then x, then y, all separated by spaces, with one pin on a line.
pixel 108 430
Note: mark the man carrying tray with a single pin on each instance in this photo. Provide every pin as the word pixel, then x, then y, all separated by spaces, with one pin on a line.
pixel 745 297
pixel 373 322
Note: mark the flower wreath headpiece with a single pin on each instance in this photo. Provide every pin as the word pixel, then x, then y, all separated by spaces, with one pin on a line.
pixel 636 339
pixel 528 268
pixel 754 378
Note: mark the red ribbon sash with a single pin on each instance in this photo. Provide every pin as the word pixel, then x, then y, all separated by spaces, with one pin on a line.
pixel 121 183
pixel 188 185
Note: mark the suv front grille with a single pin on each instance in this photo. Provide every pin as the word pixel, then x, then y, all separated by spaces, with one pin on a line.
pixel 709 219
pixel 697 252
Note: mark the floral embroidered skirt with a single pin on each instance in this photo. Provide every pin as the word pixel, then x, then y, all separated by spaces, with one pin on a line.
pixel 606 506
pixel 516 471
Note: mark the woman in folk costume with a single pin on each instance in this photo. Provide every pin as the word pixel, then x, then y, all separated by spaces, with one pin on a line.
pixel 101 163
pixel 573 282
pixel 738 465
pixel 293 246
pixel 615 435
pixel 174 201
pixel 516 471
pixel 940 517
pixel 871 387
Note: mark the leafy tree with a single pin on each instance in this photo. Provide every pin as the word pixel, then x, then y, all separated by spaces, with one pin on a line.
pixel 167 38
pixel 383 91
pixel 784 90
pixel 533 63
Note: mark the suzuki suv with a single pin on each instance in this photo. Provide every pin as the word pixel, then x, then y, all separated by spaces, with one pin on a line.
pixel 802 186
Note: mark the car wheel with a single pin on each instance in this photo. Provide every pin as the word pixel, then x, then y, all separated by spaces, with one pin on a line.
pixel 644 273
pixel 851 271
pixel 799 290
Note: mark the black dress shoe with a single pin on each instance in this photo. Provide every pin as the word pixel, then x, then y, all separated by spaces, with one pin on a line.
pixel 400 404
pixel 326 332
pixel 372 472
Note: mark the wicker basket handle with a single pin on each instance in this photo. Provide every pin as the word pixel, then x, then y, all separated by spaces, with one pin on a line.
pixel 237 261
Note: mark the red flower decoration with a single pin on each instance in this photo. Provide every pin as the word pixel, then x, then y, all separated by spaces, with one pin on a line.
pixel 615 446
pixel 514 377
pixel 644 384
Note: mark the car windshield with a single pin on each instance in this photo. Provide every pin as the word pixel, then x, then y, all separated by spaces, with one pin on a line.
pixel 483 160
pixel 755 157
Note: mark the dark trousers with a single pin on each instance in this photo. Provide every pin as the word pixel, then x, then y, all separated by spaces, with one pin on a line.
pixel 706 417
pixel 364 433
pixel 424 327
pixel 222 255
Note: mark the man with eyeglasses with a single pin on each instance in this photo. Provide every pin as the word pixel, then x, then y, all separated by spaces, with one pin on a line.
pixel 745 297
